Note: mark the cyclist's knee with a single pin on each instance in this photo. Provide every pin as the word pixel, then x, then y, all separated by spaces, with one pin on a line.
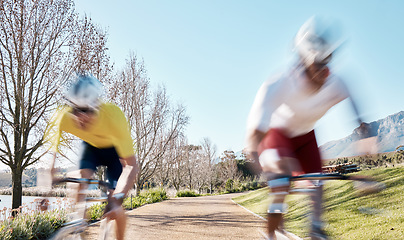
pixel 272 162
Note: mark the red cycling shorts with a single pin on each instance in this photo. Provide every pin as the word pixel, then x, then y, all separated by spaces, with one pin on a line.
pixel 303 148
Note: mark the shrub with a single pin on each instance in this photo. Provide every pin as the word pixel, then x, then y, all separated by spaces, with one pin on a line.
pixel 229 185
pixel 187 193
pixel 32 225
pixel 95 212
pixel 154 195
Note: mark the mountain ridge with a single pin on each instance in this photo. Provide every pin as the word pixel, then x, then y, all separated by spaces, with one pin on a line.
pixel 389 132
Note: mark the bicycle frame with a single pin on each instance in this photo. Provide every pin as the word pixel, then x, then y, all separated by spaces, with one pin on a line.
pixel 369 185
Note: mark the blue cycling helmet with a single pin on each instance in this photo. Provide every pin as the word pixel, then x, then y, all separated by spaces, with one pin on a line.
pixel 85 92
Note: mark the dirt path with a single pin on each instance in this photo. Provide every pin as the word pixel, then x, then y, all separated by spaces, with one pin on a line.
pixel 210 217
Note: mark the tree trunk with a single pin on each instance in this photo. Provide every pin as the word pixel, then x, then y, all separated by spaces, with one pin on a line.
pixel 17 187
pixel 138 185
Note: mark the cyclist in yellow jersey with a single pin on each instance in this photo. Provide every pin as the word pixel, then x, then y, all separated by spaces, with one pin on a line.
pixel 106 137
pixel 109 128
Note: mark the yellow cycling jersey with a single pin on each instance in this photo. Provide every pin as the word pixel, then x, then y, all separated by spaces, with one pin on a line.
pixel 110 128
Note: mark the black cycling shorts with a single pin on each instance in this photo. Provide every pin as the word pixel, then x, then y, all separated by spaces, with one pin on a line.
pixel 92 157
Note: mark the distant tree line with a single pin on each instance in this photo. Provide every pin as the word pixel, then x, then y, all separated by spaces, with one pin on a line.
pixel 372 161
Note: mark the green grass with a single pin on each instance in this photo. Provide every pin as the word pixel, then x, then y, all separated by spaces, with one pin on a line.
pixel 383 220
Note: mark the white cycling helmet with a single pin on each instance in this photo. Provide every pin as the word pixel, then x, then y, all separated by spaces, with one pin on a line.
pixel 85 92
pixel 317 39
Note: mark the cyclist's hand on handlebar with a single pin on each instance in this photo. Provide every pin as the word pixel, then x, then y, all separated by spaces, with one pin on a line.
pixel 114 209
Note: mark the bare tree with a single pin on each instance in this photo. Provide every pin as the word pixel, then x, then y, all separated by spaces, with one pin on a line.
pixel 88 50
pixel 154 122
pixel 41 44
pixel 174 167
pixel 191 158
pixel 169 172
pixel 209 156
pixel 201 171
pixel 227 168
pixel 32 34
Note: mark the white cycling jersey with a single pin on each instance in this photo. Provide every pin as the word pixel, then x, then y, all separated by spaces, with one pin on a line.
pixel 289 102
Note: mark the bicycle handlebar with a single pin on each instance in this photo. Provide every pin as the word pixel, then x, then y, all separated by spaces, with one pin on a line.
pixel 366 184
pixel 331 176
pixel 82 181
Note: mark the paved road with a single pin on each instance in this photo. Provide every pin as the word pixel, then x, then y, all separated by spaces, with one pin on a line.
pixel 209 217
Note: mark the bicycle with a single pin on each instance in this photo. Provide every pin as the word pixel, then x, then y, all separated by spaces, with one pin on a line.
pixel 364 185
pixel 75 229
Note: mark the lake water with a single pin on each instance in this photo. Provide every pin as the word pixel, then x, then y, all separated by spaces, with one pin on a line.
pixel 29 203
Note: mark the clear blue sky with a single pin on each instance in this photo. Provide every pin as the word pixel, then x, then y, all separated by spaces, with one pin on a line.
pixel 213 55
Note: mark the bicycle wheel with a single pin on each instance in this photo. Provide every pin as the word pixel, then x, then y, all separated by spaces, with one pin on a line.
pixel 71 230
pixel 107 230
pixel 67 234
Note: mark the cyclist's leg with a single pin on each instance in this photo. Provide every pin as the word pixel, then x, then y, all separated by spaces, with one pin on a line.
pixel 276 159
pixel 111 160
pixel 310 160
pixel 87 165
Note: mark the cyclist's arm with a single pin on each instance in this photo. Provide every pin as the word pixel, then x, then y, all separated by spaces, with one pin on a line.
pixel 253 139
pixel 124 145
pixel 268 98
pixel 363 127
pixel 356 110
pixel 344 91
pixel 364 131
pixel 128 176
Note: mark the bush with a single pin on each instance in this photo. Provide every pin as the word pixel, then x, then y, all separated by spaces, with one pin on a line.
pixel 232 186
pixel 32 225
pixel 95 212
pixel 229 185
pixel 154 195
pixel 187 193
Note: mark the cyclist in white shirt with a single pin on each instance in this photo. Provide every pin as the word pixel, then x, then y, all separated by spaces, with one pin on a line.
pixel 280 135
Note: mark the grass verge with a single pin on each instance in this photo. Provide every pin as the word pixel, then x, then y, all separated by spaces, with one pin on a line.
pixel 348 216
